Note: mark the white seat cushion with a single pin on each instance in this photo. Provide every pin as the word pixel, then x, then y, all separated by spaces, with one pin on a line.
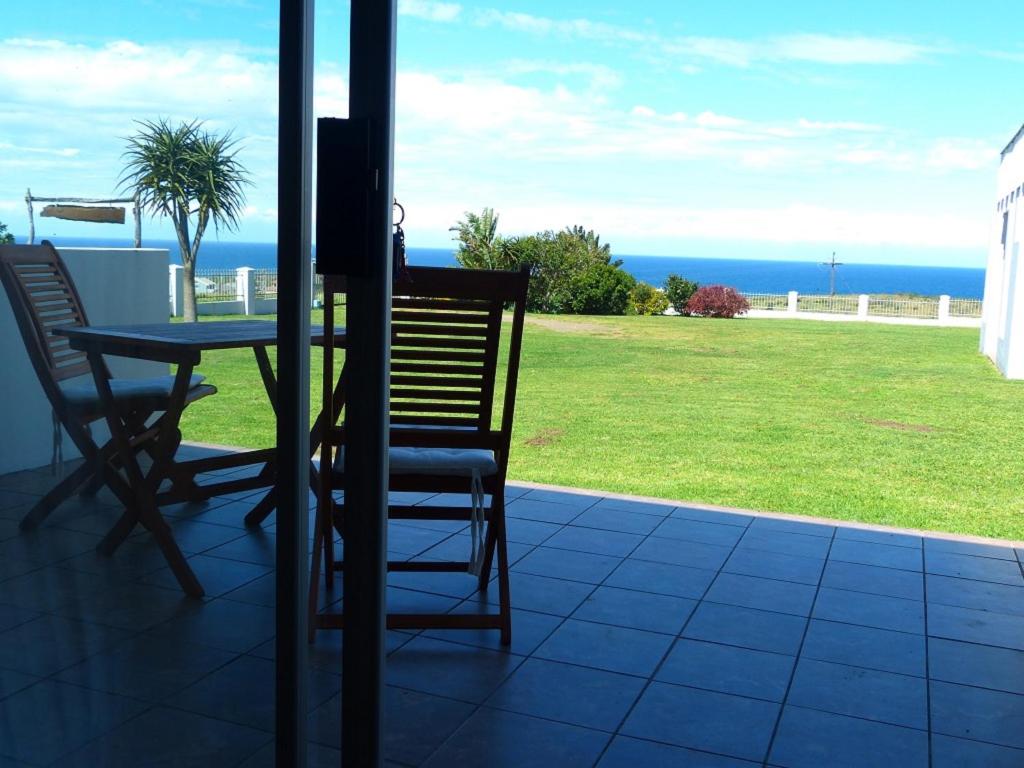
pixel 85 395
pixel 455 462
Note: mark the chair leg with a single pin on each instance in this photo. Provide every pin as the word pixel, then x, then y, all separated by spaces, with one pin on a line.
pixel 314 575
pixel 489 542
pixel 501 545
pixel 92 486
pixel 60 492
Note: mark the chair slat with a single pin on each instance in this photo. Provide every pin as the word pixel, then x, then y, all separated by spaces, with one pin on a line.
pixel 439 316
pixel 401 393
pixel 417 367
pixel 401 329
pixel 465 382
pixel 430 406
pixel 439 355
pixel 401 302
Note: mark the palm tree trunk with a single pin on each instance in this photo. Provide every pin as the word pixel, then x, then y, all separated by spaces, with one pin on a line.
pixel 189 272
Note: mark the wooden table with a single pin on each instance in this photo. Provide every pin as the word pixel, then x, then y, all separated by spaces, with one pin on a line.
pixel 182 344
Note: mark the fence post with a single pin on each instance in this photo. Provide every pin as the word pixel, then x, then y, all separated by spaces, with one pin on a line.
pixel 943 308
pixel 862 306
pixel 176 280
pixel 312 287
pixel 791 302
pixel 245 289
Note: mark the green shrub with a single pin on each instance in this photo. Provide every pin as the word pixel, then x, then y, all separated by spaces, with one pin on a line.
pixel 678 290
pixel 6 238
pixel 645 299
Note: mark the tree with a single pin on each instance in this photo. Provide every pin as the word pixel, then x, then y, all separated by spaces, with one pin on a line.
pixel 679 290
pixel 717 301
pixel 645 299
pixel 6 238
pixel 191 176
pixel 479 244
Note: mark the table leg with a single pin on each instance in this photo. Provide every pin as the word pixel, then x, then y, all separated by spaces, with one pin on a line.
pixel 144 487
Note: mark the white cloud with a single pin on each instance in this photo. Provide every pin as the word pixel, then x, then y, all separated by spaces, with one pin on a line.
pixel 962 155
pixel 430 10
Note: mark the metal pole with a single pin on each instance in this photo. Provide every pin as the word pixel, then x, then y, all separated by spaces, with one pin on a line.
pixel 294 246
pixel 368 326
pixel 31 218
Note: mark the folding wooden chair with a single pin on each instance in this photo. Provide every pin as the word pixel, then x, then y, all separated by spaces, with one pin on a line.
pixel 43 297
pixel 446 327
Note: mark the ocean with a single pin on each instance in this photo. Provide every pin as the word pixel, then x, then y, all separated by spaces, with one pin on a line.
pixel 748 275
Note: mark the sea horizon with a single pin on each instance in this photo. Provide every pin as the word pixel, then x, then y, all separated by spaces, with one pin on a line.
pixel 749 274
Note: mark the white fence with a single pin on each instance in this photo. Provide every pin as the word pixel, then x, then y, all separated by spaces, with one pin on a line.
pixel 242 291
pixel 941 311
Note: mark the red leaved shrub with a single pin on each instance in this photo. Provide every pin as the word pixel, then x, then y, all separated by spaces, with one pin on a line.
pixel 717 301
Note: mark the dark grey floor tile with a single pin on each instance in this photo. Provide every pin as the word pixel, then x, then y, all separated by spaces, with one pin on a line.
pixel 261 591
pixel 977 713
pixel 48 644
pixel 582 500
pixel 658 508
pixel 979 665
pixel 677 552
pixel 802 544
pixel 417 723
pixel 974 548
pixel 524 531
pixel 724 517
pixel 565 564
pixel 530 508
pixel 165 737
pixel 746 627
pixel 766 594
pixel 50 589
pixel 458 585
pixel 971 567
pixel 454 670
pixel 11 682
pixel 130 606
pixel 258 548
pixel 492 738
pixel 974 626
pixel 242 692
pixel 591 698
pixel 598 542
pixel 881 555
pixel 135 559
pixel 193 537
pixel 775 565
pixel 728 669
pixel 48 720
pixel 715 722
pixel 867 693
pixel 224 624
pixel 458 547
pixel 147 667
pixel 792 526
pixel 217 575
pixel 608 519
pixel 542 594
pixel 878 536
pixel 867 647
pixel 662 578
pixel 869 610
pixel 808 738
pixel 9 568
pixel 12 615
pixel 874 580
pixel 616 649
pixel 625 752
pixel 699 531
pixel 980 595
pixel 47 545
pixel 413 541
pixel 638 610
pixel 529 629
pixel 949 752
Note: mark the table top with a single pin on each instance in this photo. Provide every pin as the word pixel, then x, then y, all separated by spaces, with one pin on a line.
pixel 184 337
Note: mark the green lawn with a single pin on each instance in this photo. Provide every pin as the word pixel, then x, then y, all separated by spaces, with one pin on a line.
pixel 898 425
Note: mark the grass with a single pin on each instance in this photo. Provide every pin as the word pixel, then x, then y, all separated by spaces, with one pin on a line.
pixel 897 425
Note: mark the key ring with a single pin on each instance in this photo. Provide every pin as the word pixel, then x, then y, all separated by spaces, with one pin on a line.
pixel 398 205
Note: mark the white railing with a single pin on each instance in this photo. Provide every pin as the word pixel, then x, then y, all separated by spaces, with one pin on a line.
pixel 242 291
pixel 942 310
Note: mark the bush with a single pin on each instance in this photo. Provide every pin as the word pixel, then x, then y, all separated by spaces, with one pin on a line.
pixel 645 299
pixel 678 290
pixel 6 237
pixel 717 301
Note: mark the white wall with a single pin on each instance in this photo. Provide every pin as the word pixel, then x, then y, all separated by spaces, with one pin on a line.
pixel 117 286
pixel 1002 328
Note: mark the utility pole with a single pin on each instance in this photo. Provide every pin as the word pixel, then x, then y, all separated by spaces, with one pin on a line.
pixel 832 276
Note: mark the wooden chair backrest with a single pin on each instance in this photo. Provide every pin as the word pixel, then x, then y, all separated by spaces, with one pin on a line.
pixel 446 327
pixel 43 297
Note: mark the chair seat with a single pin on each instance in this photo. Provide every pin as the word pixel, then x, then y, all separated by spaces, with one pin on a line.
pixel 453 462
pixel 85 396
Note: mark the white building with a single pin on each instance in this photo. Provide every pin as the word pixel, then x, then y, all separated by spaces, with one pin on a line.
pixel 1002 324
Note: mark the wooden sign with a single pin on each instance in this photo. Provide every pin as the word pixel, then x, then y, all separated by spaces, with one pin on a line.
pixel 98 214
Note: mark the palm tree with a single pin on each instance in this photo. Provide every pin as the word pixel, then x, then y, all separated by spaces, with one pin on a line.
pixel 479 244
pixel 191 176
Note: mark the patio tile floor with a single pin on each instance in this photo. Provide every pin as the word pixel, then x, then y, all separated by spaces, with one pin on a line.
pixel 644 634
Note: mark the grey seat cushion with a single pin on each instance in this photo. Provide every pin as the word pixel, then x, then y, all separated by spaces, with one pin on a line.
pixel 455 462
pixel 125 390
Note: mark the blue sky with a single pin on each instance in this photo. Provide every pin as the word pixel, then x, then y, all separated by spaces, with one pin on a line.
pixel 760 130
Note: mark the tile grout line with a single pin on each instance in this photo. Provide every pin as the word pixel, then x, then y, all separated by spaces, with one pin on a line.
pixel 798 655
pixel 927 656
